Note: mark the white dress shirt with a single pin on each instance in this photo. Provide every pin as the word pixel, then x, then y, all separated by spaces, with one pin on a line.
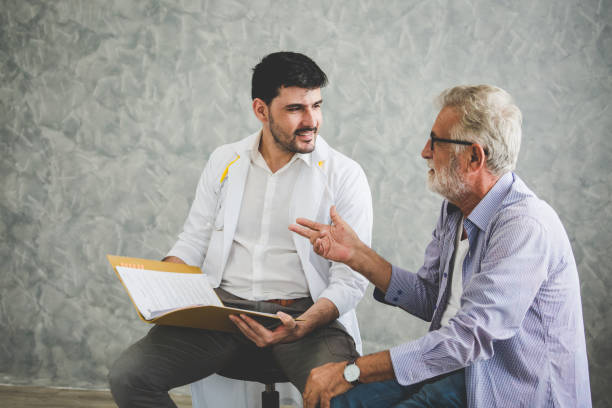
pixel 263 262
pixel 329 179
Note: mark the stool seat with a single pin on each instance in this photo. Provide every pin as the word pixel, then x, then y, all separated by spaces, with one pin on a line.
pixel 262 368
pixel 264 375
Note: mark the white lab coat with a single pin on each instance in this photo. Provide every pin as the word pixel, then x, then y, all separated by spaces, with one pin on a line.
pixel 208 233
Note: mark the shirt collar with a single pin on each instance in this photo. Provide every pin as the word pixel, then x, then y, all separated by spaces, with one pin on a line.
pixel 483 212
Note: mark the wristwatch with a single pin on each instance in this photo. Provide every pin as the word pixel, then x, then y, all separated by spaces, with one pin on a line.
pixel 352 372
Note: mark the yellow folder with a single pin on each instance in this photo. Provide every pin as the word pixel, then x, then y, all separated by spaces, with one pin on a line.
pixel 201 317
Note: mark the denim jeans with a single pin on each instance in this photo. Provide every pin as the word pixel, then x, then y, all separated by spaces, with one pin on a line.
pixel 447 390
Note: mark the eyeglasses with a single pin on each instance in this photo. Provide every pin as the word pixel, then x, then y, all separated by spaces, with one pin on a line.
pixel 461 142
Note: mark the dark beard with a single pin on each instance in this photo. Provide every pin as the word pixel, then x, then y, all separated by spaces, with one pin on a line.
pixel 289 146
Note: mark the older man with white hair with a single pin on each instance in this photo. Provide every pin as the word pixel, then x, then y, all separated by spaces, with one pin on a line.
pixel 498 283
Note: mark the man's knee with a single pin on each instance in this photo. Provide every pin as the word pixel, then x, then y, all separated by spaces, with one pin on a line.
pixel 325 345
pixel 126 381
pixel 116 380
pixel 121 379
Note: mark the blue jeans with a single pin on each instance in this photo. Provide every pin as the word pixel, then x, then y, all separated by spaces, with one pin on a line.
pixel 447 390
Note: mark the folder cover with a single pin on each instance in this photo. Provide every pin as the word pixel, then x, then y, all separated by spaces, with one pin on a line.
pixel 201 317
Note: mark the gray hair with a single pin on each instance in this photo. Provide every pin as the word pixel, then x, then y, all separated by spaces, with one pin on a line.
pixel 489 117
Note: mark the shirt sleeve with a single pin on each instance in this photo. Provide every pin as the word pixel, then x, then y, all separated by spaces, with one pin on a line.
pixel 192 242
pixel 493 305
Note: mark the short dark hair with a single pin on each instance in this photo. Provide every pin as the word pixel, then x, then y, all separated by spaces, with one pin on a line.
pixel 284 69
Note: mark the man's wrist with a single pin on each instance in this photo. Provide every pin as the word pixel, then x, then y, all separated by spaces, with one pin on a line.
pixel 359 258
pixel 352 372
pixel 301 329
pixel 372 266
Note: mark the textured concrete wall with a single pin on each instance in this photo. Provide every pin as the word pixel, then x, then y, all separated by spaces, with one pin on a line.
pixel 109 109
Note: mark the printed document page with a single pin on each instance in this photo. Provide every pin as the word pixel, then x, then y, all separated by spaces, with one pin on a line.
pixel 155 293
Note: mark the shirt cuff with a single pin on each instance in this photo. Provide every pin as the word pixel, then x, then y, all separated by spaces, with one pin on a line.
pixel 379 295
pixel 189 256
pixel 408 363
pixel 399 287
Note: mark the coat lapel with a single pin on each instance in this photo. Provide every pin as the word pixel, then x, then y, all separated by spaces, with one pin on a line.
pixel 236 180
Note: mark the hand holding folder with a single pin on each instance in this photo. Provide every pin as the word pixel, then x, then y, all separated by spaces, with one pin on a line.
pixel 177 295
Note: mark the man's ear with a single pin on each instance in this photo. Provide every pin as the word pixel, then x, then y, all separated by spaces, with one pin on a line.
pixel 260 109
pixel 474 156
pixel 477 157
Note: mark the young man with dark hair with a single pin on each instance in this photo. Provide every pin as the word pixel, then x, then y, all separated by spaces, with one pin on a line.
pixel 237 231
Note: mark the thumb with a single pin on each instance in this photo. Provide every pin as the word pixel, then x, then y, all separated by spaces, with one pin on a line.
pixel 287 320
pixel 334 215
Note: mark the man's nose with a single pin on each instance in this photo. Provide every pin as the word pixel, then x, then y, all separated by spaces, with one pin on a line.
pixel 309 119
pixel 427 153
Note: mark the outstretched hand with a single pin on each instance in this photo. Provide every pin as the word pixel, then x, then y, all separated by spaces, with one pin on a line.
pixel 337 242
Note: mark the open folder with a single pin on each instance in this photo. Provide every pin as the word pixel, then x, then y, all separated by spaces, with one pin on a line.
pixel 177 295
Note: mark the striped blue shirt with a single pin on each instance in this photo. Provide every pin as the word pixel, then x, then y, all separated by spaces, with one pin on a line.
pixel 519 332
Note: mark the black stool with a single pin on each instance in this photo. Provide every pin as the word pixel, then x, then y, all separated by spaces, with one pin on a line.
pixel 262 369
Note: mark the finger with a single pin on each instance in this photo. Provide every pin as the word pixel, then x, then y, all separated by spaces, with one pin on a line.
pixel 264 335
pixel 317 226
pixel 254 331
pixel 244 329
pixel 335 217
pixel 308 393
pixel 305 232
pixel 253 324
pixel 310 399
pixel 287 320
pixel 319 244
pixel 319 247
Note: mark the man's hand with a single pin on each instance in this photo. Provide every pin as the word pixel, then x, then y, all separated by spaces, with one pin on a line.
pixel 319 314
pixel 173 259
pixel 287 332
pixel 324 383
pixel 336 242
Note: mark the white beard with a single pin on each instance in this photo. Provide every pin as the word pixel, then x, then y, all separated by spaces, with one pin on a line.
pixel 447 181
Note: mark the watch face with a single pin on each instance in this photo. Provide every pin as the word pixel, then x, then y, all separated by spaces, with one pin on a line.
pixel 351 373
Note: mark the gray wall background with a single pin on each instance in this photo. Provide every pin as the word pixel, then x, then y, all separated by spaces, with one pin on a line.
pixel 109 110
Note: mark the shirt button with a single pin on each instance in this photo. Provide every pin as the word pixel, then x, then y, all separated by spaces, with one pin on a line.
pixel 399 292
pixel 445 274
pixel 395 299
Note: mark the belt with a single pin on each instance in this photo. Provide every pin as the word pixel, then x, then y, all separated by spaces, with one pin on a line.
pixel 284 302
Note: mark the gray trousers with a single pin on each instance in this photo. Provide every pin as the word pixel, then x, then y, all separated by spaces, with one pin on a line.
pixel 169 357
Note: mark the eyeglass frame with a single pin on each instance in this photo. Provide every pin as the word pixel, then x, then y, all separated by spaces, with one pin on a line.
pixel 433 138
